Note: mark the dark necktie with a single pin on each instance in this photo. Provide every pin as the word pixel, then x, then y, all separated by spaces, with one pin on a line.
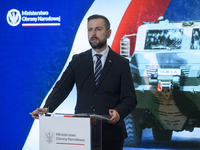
pixel 98 68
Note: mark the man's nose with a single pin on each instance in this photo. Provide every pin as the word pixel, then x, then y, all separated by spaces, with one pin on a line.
pixel 93 33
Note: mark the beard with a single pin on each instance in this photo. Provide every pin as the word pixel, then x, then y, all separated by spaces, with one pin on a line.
pixel 98 45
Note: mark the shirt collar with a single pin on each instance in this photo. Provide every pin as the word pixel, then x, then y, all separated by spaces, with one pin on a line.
pixel 104 52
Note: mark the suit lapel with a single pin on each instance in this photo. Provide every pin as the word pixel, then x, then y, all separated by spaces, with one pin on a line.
pixel 88 61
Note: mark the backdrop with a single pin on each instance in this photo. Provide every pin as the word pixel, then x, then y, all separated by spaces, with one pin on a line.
pixel 38 39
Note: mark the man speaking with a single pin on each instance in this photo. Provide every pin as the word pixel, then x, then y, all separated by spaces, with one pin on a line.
pixel 103 82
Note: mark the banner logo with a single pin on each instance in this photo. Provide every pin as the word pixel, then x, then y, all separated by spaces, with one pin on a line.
pixel 49 136
pixel 32 18
pixel 13 17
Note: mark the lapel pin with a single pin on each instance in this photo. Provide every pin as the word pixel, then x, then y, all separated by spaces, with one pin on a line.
pixel 109 60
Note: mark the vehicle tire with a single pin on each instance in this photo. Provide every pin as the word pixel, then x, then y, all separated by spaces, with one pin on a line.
pixel 134 132
pixel 161 135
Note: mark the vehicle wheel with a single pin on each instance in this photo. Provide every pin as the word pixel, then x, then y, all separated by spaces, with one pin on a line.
pixel 134 132
pixel 161 135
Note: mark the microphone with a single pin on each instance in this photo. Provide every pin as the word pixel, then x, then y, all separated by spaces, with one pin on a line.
pixel 93 110
pixel 55 90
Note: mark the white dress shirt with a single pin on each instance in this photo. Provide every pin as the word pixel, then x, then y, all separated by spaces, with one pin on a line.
pixel 104 54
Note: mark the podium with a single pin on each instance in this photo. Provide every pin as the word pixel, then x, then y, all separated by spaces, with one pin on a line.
pixel 71 131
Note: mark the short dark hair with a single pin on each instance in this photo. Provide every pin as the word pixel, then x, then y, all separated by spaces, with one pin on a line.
pixel 107 23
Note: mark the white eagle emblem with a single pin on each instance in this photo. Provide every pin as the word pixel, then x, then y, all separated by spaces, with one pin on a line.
pixel 13 17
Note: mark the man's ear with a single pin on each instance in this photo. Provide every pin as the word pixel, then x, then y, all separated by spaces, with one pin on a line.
pixel 108 33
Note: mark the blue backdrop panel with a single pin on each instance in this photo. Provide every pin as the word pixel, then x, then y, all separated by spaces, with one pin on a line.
pixel 29 56
pixel 33 57
pixel 183 10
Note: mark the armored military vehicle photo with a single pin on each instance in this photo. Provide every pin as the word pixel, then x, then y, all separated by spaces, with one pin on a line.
pixel 165 67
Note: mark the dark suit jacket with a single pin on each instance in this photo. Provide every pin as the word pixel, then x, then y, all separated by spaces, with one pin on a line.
pixel 115 90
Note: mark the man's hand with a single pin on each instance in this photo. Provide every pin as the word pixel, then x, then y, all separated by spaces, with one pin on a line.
pixel 35 113
pixel 115 116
